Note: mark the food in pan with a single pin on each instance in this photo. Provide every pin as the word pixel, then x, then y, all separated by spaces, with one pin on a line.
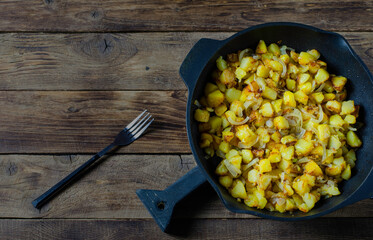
pixel 282 126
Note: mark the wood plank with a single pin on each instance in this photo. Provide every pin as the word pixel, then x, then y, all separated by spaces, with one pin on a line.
pixel 105 61
pixel 86 122
pixel 182 15
pixel 327 228
pixel 108 191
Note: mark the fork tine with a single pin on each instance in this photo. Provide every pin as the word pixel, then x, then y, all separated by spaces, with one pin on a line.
pixel 134 121
pixel 142 130
pixel 144 118
pixel 138 126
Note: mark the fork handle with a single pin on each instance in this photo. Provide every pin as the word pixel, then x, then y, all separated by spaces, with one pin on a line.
pixel 53 191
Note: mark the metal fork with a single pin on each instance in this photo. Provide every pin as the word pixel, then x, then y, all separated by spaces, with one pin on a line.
pixel 125 137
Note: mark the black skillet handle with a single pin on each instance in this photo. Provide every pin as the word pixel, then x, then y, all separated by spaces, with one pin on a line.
pixel 161 204
pixel 196 59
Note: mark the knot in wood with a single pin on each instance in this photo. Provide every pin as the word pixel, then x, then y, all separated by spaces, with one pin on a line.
pixel 12 169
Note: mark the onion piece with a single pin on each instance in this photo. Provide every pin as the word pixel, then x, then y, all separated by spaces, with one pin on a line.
pixel 302 132
pixel 284 69
pixel 269 123
pixel 321 115
pixel 303 160
pixel 320 88
pixel 256 57
pixel 232 169
pixel 231 121
pixel 196 102
pixel 323 151
pixel 308 114
pixel 352 129
pixel 254 161
pixel 248 104
pixel 248 145
pixel 219 153
pixel 242 54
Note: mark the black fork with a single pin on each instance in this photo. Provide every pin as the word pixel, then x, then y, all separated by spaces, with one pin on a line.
pixel 125 137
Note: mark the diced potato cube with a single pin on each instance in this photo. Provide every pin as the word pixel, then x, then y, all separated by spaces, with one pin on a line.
pixel 237 107
pixel 351 155
pixel 262 201
pixel 251 200
pixel 232 94
pixel 329 97
pixel 285 58
pixel 221 63
pixel 247 156
pixel 253 176
pixel 226 181
pixel 245 134
pixel 263 135
pixel 305 58
pixel 314 53
pixel 264 181
pixel 329 190
pixel 221 169
pixel 288 153
pixel 240 73
pixel 262 71
pixel 228 77
pixel 306 87
pixel 236 161
pixel 346 174
pixel 274 156
pixel 291 84
pixel 348 107
pixel 269 93
pixel 289 99
pixel 303 147
pixel 288 140
pixel 338 82
pixel 301 97
pixel 301 187
pixel 321 76
pixel 309 199
pixel 333 106
pixel 334 143
pixel 290 205
pixel 239 191
pixel 352 139
pixel 280 123
pixel 350 119
pixel 215 123
pixel 274 48
pixel 232 153
pixel 275 65
pixel 303 78
pixel 318 97
pixel 262 47
pixel 328 87
pixel 210 87
pixel 220 110
pixel 276 136
pixel 266 110
pixel 224 147
pixel 336 120
pixel 227 136
pixel 265 166
pixel 201 115
pixel 215 98
pixel 248 64
pixel 313 169
pixel 323 132
pixel 317 151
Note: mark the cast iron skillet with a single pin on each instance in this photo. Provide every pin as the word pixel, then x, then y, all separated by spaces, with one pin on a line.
pixel 196 70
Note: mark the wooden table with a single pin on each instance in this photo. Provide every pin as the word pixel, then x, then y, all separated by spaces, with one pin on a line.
pixel 73 73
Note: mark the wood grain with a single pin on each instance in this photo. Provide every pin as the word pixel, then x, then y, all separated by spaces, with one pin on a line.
pixel 182 15
pixel 86 122
pixel 327 228
pixel 106 61
pixel 108 191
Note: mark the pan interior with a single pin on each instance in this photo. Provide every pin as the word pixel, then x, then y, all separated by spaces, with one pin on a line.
pixel 341 61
